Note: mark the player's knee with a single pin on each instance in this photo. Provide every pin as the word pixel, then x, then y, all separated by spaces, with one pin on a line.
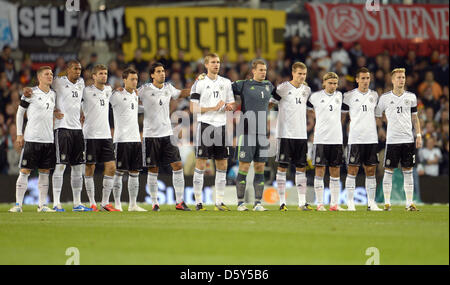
pixel 244 166
pixel 153 169
pixel 200 164
pixel 371 170
pixel 221 164
pixel 320 171
pixel 335 171
pixel 177 166
pixel 353 170
pixel 282 167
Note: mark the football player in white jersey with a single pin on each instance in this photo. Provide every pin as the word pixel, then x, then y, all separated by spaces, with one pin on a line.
pixel 38 150
pixel 328 151
pixel 210 98
pixel 97 136
pixel 363 138
pixel 291 97
pixel 127 140
pixel 158 146
pixel 400 108
pixel 69 143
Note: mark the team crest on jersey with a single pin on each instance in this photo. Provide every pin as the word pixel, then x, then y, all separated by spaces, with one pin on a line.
pixel 24 162
pixel 357 100
pixel 119 163
pixel 323 101
pixel 352 159
pixel 392 102
pixel 388 161
pixel 207 87
pixel 337 100
pixel 200 151
pixel 371 99
pixel 124 99
pixel 166 93
pixel 63 156
pixel 282 157
pixel 221 87
pixel 242 154
pixel 406 102
pixel 317 159
pixel 148 159
pixel 67 86
pixel 267 88
pixel 89 157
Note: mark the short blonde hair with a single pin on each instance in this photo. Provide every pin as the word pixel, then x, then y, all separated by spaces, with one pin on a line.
pixel 298 64
pixel 330 75
pixel 210 56
pixel 398 70
pixel 42 69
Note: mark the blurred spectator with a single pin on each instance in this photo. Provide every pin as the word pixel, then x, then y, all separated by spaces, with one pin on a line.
pixel 429 158
pixel 10 71
pixel 340 55
pixel 92 61
pixel 429 87
pixel 60 66
pixel 443 166
pixel 441 71
pixel 4 57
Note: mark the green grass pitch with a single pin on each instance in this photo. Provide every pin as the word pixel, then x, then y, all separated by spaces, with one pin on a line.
pixel 263 238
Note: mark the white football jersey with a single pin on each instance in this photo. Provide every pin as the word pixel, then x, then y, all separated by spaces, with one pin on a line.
pixel 327 107
pixel 68 101
pixel 207 93
pixel 398 110
pixel 40 116
pixel 95 106
pixel 292 118
pixel 156 104
pixel 363 128
pixel 125 110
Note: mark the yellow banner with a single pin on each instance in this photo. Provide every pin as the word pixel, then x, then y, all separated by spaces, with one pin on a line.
pixel 192 30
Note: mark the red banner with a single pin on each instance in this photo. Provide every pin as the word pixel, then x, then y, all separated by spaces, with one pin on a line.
pixel 395 28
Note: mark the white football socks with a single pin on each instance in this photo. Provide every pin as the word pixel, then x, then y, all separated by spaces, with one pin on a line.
pixel 90 188
pixel 178 185
pixel 152 181
pixel 43 182
pixel 408 185
pixel 318 189
pixel 387 186
pixel 281 183
pixel 335 189
pixel 57 182
pixel 133 188
pixel 300 181
pixel 76 182
pixel 117 188
pixel 21 187
pixel 198 185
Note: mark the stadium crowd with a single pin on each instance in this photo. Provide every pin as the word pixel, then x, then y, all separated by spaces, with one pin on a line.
pixel 427 77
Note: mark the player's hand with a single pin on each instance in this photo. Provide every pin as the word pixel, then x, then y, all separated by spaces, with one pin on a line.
pixel 201 76
pixel 27 92
pixel 418 142
pixel 82 118
pixel 220 105
pixel 229 107
pixel 58 114
pixel 19 143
